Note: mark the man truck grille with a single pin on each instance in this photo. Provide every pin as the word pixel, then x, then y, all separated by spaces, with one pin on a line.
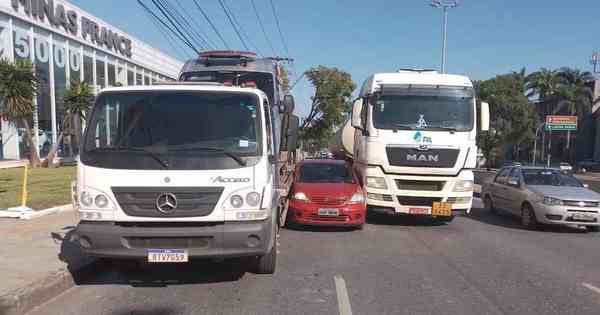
pixel 439 158
pixel 420 185
pixel 190 201
pixel 418 201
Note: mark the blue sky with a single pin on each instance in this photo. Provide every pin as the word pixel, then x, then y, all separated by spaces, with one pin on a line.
pixel 486 37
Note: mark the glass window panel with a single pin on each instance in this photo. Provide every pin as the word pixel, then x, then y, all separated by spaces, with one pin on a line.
pixel 130 75
pixel 22 51
pixel 100 72
pixel 111 74
pixel 88 69
pixel 146 80
pixel 138 79
pixel 44 107
pixel 74 61
pixel 60 83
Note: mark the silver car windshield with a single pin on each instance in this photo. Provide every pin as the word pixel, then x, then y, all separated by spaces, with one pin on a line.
pixel 549 178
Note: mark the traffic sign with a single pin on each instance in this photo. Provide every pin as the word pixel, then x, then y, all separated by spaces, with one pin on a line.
pixel 560 123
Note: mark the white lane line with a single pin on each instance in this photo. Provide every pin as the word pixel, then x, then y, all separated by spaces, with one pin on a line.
pixel 342 296
pixel 591 287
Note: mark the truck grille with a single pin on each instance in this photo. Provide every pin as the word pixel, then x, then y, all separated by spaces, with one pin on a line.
pixel 418 201
pixel 438 158
pixel 191 201
pixel 167 242
pixel 420 185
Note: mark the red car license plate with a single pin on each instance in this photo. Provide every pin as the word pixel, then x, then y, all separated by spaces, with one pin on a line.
pixel 329 212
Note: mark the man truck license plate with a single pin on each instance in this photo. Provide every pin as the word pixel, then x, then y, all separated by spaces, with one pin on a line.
pixel 167 255
pixel 329 212
pixel 443 209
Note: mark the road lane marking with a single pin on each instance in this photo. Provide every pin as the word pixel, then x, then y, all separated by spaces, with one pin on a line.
pixel 591 287
pixel 342 296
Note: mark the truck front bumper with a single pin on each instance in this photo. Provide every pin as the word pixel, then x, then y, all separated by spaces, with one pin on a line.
pixel 397 200
pixel 211 240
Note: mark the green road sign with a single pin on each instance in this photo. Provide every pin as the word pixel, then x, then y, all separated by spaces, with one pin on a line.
pixel 559 127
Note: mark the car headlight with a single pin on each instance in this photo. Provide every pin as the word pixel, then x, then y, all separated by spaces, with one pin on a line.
pixel 551 201
pixel 376 182
pixel 463 186
pixel 300 196
pixel 92 199
pixel 357 198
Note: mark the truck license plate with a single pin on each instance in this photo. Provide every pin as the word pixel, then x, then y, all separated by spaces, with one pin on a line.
pixel 167 255
pixel 329 212
pixel 418 211
pixel 442 209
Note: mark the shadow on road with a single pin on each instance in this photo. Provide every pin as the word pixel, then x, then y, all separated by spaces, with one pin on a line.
pixel 507 220
pixel 318 229
pixel 89 271
pixel 404 220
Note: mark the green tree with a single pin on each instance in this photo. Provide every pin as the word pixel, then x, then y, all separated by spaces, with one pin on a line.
pixel 78 100
pixel 18 87
pixel 543 84
pixel 330 103
pixel 514 117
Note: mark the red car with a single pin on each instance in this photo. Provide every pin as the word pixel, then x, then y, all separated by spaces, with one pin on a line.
pixel 328 193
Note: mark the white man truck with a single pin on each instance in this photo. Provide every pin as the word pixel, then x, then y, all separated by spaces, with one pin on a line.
pixel 181 170
pixel 412 139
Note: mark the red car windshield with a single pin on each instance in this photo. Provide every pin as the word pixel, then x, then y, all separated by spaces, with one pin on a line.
pixel 325 173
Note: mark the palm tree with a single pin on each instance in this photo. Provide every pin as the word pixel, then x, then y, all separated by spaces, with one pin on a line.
pixel 543 84
pixel 521 77
pixel 18 87
pixel 77 101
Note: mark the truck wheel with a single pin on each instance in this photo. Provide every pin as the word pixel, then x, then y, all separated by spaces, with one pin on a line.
pixel 266 264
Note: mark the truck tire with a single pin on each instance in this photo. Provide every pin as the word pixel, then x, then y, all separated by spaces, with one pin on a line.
pixel 265 265
pixel 593 229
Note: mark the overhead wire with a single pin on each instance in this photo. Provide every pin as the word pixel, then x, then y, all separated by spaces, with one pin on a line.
pixel 175 44
pixel 211 23
pixel 164 8
pixel 239 26
pixel 167 26
pixel 199 27
pixel 185 24
pixel 287 51
pixel 233 25
pixel 262 27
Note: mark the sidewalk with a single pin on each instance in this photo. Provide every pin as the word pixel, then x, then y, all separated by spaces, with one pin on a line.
pixel 38 260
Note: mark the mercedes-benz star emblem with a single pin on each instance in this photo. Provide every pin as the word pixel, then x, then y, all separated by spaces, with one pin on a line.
pixel 166 203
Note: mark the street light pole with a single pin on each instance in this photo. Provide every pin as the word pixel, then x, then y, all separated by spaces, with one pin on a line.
pixel 535 142
pixel 444 5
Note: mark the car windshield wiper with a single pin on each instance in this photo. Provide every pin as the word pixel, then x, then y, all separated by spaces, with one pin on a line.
pixel 403 127
pixel 440 128
pixel 153 155
pixel 232 155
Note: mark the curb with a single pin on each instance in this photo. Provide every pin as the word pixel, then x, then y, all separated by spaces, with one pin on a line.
pixel 23 300
pixel 28 214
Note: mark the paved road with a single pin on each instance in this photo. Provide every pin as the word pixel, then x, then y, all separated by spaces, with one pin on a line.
pixel 479 264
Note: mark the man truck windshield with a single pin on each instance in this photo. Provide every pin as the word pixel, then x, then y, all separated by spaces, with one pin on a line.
pixel 424 109
pixel 173 129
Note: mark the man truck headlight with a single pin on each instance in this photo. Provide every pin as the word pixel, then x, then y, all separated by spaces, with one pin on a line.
pixel 376 182
pixel 463 186
pixel 551 201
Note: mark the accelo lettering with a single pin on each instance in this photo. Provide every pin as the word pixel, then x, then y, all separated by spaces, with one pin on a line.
pixel 220 179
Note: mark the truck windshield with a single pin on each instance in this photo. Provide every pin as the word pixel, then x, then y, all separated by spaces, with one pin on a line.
pixel 424 109
pixel 173 130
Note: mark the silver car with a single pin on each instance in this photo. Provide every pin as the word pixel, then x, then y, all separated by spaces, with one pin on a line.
pixel 543 196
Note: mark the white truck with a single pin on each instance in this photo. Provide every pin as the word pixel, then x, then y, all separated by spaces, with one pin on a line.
pixel 412 140
pixel 181 170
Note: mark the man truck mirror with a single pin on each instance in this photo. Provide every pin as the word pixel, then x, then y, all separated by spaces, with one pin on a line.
pixel 485 116
pixel 356 113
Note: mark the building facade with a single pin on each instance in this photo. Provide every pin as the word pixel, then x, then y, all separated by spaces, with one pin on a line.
pixel 65 43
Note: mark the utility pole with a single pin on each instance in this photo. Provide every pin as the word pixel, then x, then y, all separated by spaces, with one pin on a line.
pixel 444 5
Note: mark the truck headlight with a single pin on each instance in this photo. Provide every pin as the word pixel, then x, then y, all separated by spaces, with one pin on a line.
pixel 236 201
pixel 92 199
pixel 376 182
pixel 551 201
pixel 243 199
pixel 463 186
pixel 253 199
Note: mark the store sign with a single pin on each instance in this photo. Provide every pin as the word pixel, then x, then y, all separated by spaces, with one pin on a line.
pixel 60 17
pixel 561 123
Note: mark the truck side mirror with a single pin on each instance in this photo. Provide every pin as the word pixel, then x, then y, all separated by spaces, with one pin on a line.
pixel 288 104
pixel 292 134
pixel 356 114
pixel 485 116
